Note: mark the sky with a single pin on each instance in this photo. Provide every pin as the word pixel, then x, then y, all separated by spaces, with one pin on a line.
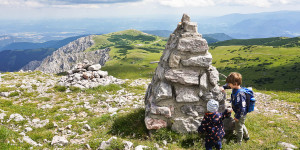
pixel 60 9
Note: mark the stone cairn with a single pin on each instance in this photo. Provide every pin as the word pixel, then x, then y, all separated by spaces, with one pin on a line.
pixel 86 75
pixel 183 82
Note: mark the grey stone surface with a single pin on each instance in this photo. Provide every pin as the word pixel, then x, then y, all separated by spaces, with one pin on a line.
pixel 28 140
pixel 67 56
pixel 185 125
pixel 183 82
pixel 95 67
pixel 198 61
pixel 186 94
pixel 59 141
pixel 174 60
pixel 80 77
pixel 193 45
pixel 183 76
pixel 163 91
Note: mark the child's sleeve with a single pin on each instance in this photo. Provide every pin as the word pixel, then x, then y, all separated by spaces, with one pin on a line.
pixel 226 113
pixel 202 128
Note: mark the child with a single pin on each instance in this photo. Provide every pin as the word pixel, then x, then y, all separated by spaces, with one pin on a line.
pixel 212 125
pixel 238 102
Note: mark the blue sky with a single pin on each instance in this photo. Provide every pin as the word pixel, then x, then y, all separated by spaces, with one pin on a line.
pixel 52 9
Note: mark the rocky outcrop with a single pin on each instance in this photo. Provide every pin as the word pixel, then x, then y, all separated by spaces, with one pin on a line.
pixel 183 82
pixel 31 65
pixel 86 75
pixel 67 56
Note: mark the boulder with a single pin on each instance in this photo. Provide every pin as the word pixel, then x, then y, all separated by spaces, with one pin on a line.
pixel 95 67
pixel 59 141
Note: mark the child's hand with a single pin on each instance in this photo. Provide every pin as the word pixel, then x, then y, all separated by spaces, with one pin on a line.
pixel 236 120
pixel 222 89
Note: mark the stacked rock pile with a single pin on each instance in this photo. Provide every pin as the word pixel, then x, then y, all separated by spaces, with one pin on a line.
pixel 183 82
pixel 86 75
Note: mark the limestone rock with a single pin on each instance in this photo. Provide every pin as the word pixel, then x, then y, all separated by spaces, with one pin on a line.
pixel 287 145
pixel 105 144
pixel 213 75
pixel 141 147
pixel 28 140
pixel 16 117
pixel 37 123
pixel 185 125
pixel 2 115
pixel 67 56
pixel 186 18
pixel 186 94
pixel 192 45
pixel 183 82
pixel 163 91
pixel 183 76
pixel 193 110
pixel 95 67
pixel 198 61
pixel 165 111
pixel 59 141
pixel 155 123
pixel 87 127
pixel 174 60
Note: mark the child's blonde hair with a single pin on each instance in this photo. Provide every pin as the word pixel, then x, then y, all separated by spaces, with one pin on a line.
pixel 234 78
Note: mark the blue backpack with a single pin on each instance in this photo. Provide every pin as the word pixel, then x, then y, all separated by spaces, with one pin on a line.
pixel 250 100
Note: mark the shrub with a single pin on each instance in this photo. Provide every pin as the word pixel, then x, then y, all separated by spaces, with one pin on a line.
pixel 14 94
pixel 60 88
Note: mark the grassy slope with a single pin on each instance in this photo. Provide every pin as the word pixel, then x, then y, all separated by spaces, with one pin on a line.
pixel 275 41
pixel 131 53
pixel 263 67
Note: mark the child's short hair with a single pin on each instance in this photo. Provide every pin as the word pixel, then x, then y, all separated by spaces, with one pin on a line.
pixel 234 78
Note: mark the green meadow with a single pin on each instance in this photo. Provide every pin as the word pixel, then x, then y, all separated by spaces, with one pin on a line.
pixel 272 70
pixel 263 67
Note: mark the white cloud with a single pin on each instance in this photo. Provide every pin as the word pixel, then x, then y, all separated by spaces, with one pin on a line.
pixel 187 3
pixel 21 3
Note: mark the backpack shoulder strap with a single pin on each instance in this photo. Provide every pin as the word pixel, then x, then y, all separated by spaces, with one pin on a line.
pixel 238 91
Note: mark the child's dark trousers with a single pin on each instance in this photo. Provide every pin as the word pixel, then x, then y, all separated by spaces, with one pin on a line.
pixel 211 144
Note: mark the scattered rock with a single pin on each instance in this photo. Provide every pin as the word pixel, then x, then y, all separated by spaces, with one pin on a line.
pixel 87 127
pixel 287 145
pixel 28 129
pixel 28 140
pixel 16 117
pixel 141 147
pixel 37 123
pixel 46 106
pixel 59 141
pixel 2 115
pixel 69 126
pixel 4 94
pixel 83 77
pixel 105 144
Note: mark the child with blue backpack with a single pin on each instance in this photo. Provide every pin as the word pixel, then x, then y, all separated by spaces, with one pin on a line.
pixel 240 103
pixel 212 125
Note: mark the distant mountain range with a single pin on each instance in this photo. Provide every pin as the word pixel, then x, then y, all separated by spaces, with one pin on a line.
pixel 29 45
pixel 257 25
pixel 237 26
pixel 16 55
pixel 210 38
